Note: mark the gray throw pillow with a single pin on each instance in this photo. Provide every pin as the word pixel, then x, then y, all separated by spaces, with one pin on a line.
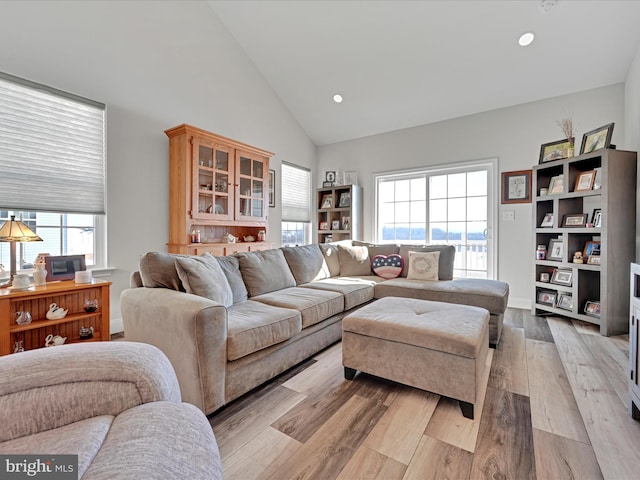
pixel 265 271
pixel 203 276
pixel 330 254
pixel 159 270
pixel 231 268
pixel 354 261
pixel 445 264
pixel 306 263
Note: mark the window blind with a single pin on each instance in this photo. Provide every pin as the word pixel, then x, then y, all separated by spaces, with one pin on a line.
pixel 52 149
pixel 296 193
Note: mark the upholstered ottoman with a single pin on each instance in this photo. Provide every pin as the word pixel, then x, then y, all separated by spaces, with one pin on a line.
pixel 438 347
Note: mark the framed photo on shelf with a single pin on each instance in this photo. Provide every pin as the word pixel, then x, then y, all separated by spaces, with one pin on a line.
pixel 345 199
pixel 596 218
pixel 556 185
pixel 346 223
pixel 554 151
pixel 591 248
pixel 350 177
pixel 324 226
pixel 575 220
pixel 565 301
pixel 547 297
pixel 547 221
pixel 597 139
pixel 516 186
pixel 562 277
pixel 327 201
pixel 585 181
pixel 330 176
pixel 556 249
pixel 328 238
pixel 593 260
pixel 335 225
pixel 592 309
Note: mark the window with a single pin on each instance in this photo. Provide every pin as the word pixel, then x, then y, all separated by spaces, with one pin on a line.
pixel 296 205
pixel 444 205
pixel 52 145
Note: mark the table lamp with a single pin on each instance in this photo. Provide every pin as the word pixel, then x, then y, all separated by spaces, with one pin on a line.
pixel 15 231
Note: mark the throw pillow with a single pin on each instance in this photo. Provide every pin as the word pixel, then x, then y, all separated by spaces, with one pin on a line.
pixel 423 266
pixel 330 254
pixel 265 271
pixel 354 261
pixel 387 266
pixel 447 255
pixel 159 270
pixel 306 263
pixel 203 276
pixel 231 268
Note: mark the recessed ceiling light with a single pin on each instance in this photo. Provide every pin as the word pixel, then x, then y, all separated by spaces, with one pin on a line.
pixel 337 98
pixel 526 39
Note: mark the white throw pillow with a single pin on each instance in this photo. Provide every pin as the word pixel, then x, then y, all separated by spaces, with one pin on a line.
pixel 423 266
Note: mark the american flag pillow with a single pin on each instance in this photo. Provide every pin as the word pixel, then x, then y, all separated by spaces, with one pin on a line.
pixel 387 266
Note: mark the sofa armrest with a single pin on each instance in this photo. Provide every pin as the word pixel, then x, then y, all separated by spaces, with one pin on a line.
pixel 51 387
pixel 190 330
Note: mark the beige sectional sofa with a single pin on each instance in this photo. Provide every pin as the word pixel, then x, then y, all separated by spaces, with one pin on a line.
pixel 228 324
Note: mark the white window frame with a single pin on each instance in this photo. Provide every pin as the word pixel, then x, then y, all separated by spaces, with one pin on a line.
pixel 490 165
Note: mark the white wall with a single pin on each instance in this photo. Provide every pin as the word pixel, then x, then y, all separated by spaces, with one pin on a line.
pixel 155 65
pixel 632 117
pixel 513 135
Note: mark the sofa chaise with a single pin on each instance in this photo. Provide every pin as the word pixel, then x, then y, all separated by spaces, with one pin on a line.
pixel 116 405
pixel 228 324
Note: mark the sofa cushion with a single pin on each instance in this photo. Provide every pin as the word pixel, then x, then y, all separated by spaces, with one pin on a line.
pixel 354 261
pixel 159 270
pixel 378 249
pixel 387 266
pixel 265 271
pixel 314 305
pixel 231 268
pixel 423 266
pixel 356 291
pixel 330 253
pixel 489 294
pixel 306 263
pixel 447 255
pixel 203 276
pixel 253 326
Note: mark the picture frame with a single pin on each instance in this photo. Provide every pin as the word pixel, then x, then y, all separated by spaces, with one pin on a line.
pixel 585 181
pixel 556 250
pixel 345 200
pixel 556 185
pixel 547 221
pixel 335 225
pixel 597 139
pixel 516 186
pixel 63 267
pixel 554 150
pixel 327 201
pixel 562 277
pixel 592 309
pixel 596 218
pixel 328 238
pixel 565 301
pixel 591 249
pixel 330 176
pixel 574 220
pixel 272 188
pixel 350 177
pixel 346 223
pixel 324 226
pixel 593 260
pixel 546 297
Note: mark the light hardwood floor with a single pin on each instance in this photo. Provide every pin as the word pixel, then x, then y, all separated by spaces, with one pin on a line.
pixel 555 408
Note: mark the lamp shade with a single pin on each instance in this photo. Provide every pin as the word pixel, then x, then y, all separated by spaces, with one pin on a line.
pixel 16 231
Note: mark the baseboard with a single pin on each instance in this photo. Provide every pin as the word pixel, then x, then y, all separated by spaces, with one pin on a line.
pixel 523 303
pixel 116 326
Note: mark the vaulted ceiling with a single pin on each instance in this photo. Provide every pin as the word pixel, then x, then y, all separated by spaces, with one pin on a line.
pixel 405 63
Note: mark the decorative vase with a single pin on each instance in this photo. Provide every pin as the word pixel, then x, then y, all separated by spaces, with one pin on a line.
pixel 570 150
pixel 39 275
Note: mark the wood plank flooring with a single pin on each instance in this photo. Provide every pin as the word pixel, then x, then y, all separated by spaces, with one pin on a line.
pixel 555 407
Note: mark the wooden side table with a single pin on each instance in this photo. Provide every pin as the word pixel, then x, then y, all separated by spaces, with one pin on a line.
pixel 36 300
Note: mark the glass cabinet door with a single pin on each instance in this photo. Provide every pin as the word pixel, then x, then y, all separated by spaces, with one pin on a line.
pixel 212 189
pixel 251 176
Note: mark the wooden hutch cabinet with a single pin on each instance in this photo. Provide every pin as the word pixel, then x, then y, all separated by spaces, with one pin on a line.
pixel 216 186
